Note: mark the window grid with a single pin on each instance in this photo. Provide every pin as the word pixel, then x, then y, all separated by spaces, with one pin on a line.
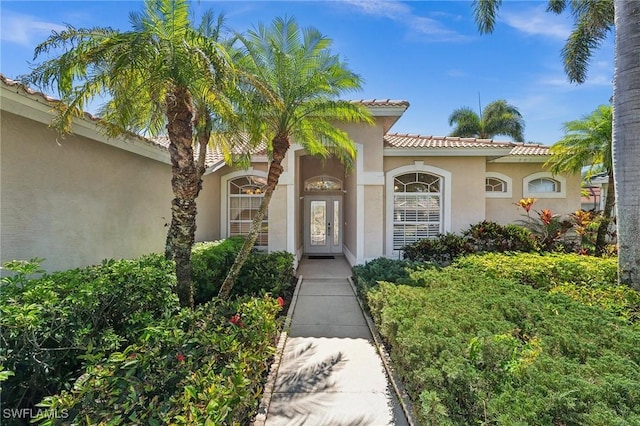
pixel 495 185
pixel 417 211
pixel 245 197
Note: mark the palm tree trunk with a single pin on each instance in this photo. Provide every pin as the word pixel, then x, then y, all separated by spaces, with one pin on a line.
pixel 603 228
pixel 185 183
pixel 280 148
pixel 626 139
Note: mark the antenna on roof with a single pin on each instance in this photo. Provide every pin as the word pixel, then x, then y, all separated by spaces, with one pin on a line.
pixel 479 107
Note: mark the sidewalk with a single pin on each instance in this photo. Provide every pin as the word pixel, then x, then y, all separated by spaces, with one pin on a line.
pixel 330 373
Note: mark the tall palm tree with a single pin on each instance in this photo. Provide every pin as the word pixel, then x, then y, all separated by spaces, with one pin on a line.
pixel 297 81
pixel 593 20
pixel 162 76
pixel 588 142
pixel 497 118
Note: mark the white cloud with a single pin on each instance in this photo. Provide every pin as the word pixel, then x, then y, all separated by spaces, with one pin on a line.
pixel 24 29
pixel 402 13
pixel 536 21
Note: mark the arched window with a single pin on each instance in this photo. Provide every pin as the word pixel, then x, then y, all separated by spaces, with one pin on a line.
pixel 245 196
pixel 544 185
pixel 417 208
pixel 497 185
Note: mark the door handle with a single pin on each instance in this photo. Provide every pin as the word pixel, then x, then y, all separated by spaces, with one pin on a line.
pixel 329 225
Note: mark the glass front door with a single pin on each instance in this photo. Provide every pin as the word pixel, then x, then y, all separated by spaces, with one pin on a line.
pixel 323 224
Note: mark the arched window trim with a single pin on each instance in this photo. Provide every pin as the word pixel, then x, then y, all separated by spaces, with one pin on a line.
pixel 224 197
pixel 445 191
pixel 562 193
pixel 508 182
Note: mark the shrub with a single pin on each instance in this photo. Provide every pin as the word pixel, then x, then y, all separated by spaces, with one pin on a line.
pixel 262 272
pixel 381 269
pixel 476 349
pixel 442 250
pixel 50 324
pixel 590 280
pixel 492 237
pixel 198 367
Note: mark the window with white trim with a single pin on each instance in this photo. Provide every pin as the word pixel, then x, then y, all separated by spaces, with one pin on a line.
pixel 417 208
pixel 544 185
pixel 245 196
pixel 492 184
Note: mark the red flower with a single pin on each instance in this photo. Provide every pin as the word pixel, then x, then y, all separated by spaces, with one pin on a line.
pixel 546 216
pixel 235 320
pixel 280 301
pixel 180 357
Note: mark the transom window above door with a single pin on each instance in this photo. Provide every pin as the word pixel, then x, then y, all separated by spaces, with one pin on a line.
pixel 322 183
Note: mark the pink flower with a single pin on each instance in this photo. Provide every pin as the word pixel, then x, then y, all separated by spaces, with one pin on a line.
pixel 280 301
pixel 180 357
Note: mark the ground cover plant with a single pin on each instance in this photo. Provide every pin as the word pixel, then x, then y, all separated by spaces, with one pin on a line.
pixel 510 338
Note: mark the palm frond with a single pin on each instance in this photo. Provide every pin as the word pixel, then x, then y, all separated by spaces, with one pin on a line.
pixel 485 13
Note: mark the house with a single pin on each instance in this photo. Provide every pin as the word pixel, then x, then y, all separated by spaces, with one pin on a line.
pixel 85 197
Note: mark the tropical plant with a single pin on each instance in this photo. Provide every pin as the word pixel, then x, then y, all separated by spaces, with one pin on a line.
pixel 593 20
pixel 588 142
pixel 497 118
pixel 297 80
pixel 161 76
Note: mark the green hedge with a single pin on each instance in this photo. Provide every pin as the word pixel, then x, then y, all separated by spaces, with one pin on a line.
pixel 198 367
pixel 590 280
pixel 477 349
pixel 262 273
pixel 50 324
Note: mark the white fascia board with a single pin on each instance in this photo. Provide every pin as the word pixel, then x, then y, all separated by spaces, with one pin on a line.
pixel 42 112
pixel 388 111
pixel 521 159
pixel 445 152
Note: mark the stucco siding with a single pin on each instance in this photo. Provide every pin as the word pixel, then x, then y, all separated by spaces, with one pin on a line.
pixel 373 222
pixel 77 202
pixel 208 202
pixel 504 210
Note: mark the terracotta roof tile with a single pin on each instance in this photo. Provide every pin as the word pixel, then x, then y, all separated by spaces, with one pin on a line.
pixel 409 141
pixel 383 102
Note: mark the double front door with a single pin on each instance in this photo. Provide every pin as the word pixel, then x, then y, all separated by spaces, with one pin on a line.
pixel 323 224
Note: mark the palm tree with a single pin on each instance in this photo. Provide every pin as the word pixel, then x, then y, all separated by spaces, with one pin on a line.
pixel 626 139
pixel 161 76
pixel 593 20
pixel 497 118
pixel 297 81
pixel 588 141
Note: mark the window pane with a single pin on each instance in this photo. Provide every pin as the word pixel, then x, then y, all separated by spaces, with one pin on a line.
pixel 544 185
pixel 245 197
pixel 495 185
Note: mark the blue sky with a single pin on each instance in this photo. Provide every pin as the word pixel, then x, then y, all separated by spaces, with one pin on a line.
pixel 426 52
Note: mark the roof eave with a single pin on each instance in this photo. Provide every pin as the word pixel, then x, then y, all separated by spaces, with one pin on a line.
pixel 535 158
pixel 35 107
pixel 446 152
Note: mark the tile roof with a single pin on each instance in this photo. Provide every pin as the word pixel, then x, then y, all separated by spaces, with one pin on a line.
pixel 383 103
pixel 409 141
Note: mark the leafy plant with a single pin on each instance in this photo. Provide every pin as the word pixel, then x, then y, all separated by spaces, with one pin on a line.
pixel 50 324
pixel 197 367
pixel 261 274
pixel 478 349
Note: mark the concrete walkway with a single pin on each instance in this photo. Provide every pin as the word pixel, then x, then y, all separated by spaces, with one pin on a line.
pixel 330 372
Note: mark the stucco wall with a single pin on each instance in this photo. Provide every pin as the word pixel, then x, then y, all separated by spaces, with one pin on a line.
pixel 208 202
pixel 374 229
pixel 370 136
pixel 504 210
pixel 467 185
pixel 77 202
